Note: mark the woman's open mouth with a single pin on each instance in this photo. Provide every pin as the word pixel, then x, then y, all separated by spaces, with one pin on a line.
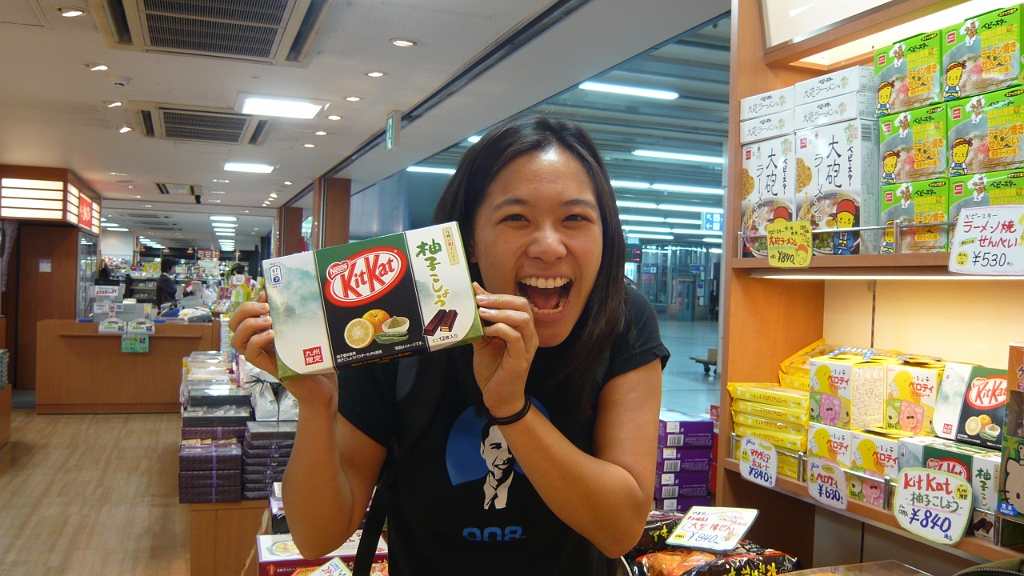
pixel 546 295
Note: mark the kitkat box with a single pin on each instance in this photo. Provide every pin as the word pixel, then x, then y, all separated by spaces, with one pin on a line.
pixel 981 418
pixel 907 74
pixel 952 457
pixel 919 202
pixel 678 430
pixel 913 145
pixel 983 132
pixel 371 301
pixel 982 54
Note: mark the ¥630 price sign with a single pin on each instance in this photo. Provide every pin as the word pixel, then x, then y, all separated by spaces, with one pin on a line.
pixel 989 241
pixel 759 462
pixel 932 504
pixel 826 483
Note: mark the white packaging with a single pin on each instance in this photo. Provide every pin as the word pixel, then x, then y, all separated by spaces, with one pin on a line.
pixel 841 108
pixel 768 185
pixel 985 481
pixel 950 399
pixel 855 79
pixel 766 127
pixel 767 103
pixel 836 169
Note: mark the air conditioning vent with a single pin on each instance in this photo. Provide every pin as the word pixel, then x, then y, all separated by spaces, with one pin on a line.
pixel 260 133
pixel 197 124
pixel 179 189
pixel 141 216
pixel 271 31
pixel 147 123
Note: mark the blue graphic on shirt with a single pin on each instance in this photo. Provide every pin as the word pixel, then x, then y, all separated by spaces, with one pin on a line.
pixel 463 456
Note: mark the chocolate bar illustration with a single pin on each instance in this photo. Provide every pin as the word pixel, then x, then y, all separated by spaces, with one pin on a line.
pixel 431 328
pixel 449 321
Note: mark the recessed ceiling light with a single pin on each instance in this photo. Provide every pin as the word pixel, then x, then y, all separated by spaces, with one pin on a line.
pixel 287 183
pixel 281 107
pixel 118 173
pixel 70 11
pixel 335 117
pixel 129 186
pixel 629 90
pixel 214 201
pixel 147 205
pixel 403 42
pixel 244 211
pixel 124 130
pixel 214 191
pixel 678 156
pixel 113 105
pixel 224 218
pixel 273 194
pixel 309 145
pixel 103 219
pixel 256 229
pixel 218 180
pixel 376 74
pixel 117 229
pixel 97 67
pixel 248 167
pixel 353 98
pixel 320 133
pixel 136 196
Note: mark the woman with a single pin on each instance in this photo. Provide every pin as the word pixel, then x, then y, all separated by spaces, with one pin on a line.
pixel 166 287
pixel 532 452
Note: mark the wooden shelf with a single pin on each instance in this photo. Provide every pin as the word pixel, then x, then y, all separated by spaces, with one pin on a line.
pixel 972 545
pixel 924 260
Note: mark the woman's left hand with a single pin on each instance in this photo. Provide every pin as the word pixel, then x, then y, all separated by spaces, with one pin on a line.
pixel 501 361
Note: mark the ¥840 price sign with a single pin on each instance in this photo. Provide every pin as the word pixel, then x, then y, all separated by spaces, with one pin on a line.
pixel 932 504
pixel 989 241
pixel 759 462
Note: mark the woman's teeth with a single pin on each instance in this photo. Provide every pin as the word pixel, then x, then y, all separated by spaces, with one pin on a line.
pixel 545 282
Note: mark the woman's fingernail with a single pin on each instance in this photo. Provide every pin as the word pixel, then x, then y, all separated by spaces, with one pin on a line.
pixel 482 298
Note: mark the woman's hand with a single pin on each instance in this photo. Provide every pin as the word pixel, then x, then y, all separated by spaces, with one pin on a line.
pixel 501 361
pixel 254 339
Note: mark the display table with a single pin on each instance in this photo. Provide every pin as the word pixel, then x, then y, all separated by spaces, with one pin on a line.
pixel 223 535
pixel 79 371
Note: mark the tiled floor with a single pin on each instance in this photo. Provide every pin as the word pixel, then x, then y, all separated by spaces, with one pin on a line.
pixel 685 386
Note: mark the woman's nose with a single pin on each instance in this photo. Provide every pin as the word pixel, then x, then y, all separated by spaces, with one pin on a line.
pixel 547 244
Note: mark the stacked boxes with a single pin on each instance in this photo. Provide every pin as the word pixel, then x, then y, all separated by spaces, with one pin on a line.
pixel 774 414
pixel 768 186
pixel 910 395
pixel 684 461
pixel 913 145
pixel 847 391
pixel 855 79
pixel 984 132
pixel 876 457
pixel 982 53
pixel 209 471
pixel 991 189
pixel 919 202
pixel 907 74
pixel 265 453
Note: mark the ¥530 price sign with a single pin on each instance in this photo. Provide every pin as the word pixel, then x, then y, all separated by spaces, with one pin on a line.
pixel 932 504
pixel 989 241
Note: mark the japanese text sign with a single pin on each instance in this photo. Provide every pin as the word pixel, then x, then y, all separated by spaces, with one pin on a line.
pixel 759 462
pixel 789 244
pixel 932 504
pixel 135 343
pixel 826 483
pixel 712 528
pixel 989 240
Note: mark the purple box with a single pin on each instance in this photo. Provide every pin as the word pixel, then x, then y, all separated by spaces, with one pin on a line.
pixel 258 431
pixel 280 462
pixel 210 479
pixel 210 495
pixel 684 460
pixel 272 453
pixel 682 479
pixel 255 494
pixel 681 504
pixel 212 433
pixel 262 477
pixel 251 444
pixel 213 455
pixel 678 430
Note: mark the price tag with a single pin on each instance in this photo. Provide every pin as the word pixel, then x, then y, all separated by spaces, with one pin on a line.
pixel 712 528
pixel 238 279
pixel 112 326
pixel 826 483
pixel 789 244
pixel 933 504
pixel 135 343
pixel 101 307
pixel 759 462
pixel 989 241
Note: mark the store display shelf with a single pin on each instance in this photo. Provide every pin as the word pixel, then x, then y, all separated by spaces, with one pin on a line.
pixel 971 545
pixel 928 260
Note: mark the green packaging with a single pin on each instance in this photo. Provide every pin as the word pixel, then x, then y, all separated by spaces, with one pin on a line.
pixel 982 54
pixel 991 189
pixel 912 145
pixel 907 74
pixel 985 132
pixel 918 202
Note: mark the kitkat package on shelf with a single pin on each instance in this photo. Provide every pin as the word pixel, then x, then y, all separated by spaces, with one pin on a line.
pixel 982 54
pixel 767 186
pixel 907 74
pixel 913 145
pixel 920 202
pixel 371 301
pixel 984 132
pixel 981 418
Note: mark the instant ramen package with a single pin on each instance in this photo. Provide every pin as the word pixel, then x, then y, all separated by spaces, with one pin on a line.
pixel 991 189
pixel 984 132
pixel 981 54
pixel 921 202
pixel 767 186
pixel 907 74
pixel 913 145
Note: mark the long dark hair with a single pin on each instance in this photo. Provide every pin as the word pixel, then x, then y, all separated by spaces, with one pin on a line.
pixel 605 311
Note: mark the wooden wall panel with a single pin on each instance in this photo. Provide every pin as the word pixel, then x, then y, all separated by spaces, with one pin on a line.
pixel 334 221
pixel 223 535
pixel 290 221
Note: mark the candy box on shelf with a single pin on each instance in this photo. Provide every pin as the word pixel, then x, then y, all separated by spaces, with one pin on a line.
pixel 991 189
pixel 681 485
pixel 984 132
pixel 912 145
pixel 799 363
pixel 768 423
pixel 841 108
pixel 912 450
pixel 869 490
pixel 767 189
pixel 765 127
pixel 278 555
pixel 212 455
pixel 985 480
pixel 679 430
pixel 910 393
pixel 1011 476
pixel 984 408
pixel 771 394
pixel 680 504
pixel 874 455
pixel 209 479
pixel 271 431
pixel 372 300
pixel 794 382
pixel 853 79
pixel 767 103
pixel 683 460
pixel 982 53
pixel 907 74
pixel 214 416
pixel 213 432
pixel 829 443
pixel 918 202
pixel 791 415
pixel 951 457
pixel 791 442
pixel 835 184
pixel 847 391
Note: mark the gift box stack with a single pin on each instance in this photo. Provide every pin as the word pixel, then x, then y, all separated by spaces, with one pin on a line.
pixel 209 471
pixel 265 453
pixel 684 461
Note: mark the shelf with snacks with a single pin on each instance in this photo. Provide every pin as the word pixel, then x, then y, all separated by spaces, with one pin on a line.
pixel 916 261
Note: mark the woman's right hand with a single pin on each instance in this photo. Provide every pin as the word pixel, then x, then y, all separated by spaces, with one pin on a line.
pixel 254 339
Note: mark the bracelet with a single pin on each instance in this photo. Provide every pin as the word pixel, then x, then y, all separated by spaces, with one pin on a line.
pixel 513 418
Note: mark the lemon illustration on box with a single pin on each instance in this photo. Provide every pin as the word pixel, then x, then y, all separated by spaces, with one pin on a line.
pixel 371 301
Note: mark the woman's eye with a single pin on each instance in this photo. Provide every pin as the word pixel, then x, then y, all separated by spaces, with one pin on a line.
pixel 514 218
pixel 577 218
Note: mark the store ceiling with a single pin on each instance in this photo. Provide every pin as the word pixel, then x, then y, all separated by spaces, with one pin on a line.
pixel 53 108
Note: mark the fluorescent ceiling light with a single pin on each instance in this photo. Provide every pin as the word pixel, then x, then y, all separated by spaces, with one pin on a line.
pixel 116 229
pixel 224 218
pixel 629 90
pixel 281 107
pixel 630 184
pixel 653 236
pixel 353 98
pixel 643 218
pixel 648 229
pixel 220 181
pixel 309 145
pixel 103 219
pixel 473 139
pixel 247 167
pixel 403 42
pixel 689 231
pixel 70 11
pixel 430 170
pixel 273 194
pixel 214 201
pixel 224 233
pixel 713 240
pixel 678 156
pixel 214 191
pixel 32 184
pixel 681 208
pixel 97 67
pixel 334 117
pixel 631 204
pixel 107 224
pixel 124 130
pixel 681 221
pixel 715 250
pixel 376 74
pixel 687 189
pixel 113 105
pixel 287 183
pixel 320 133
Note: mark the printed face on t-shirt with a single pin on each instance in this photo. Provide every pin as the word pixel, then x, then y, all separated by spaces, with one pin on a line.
pixel 496 453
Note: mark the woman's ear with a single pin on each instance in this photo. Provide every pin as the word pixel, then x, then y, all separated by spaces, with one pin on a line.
pixel 472 252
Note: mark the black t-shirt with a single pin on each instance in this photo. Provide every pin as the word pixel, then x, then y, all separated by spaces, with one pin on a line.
pixel 458 505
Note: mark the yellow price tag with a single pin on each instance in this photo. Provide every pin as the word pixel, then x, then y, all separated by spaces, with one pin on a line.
pixel 790 244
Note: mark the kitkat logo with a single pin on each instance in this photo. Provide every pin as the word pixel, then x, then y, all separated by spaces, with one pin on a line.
pixel 313 355
pixel 987 393
pixel 365 276
pixel 949 465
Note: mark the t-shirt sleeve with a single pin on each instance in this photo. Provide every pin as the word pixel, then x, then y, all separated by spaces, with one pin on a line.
pixel 366 398
pixel 640 343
